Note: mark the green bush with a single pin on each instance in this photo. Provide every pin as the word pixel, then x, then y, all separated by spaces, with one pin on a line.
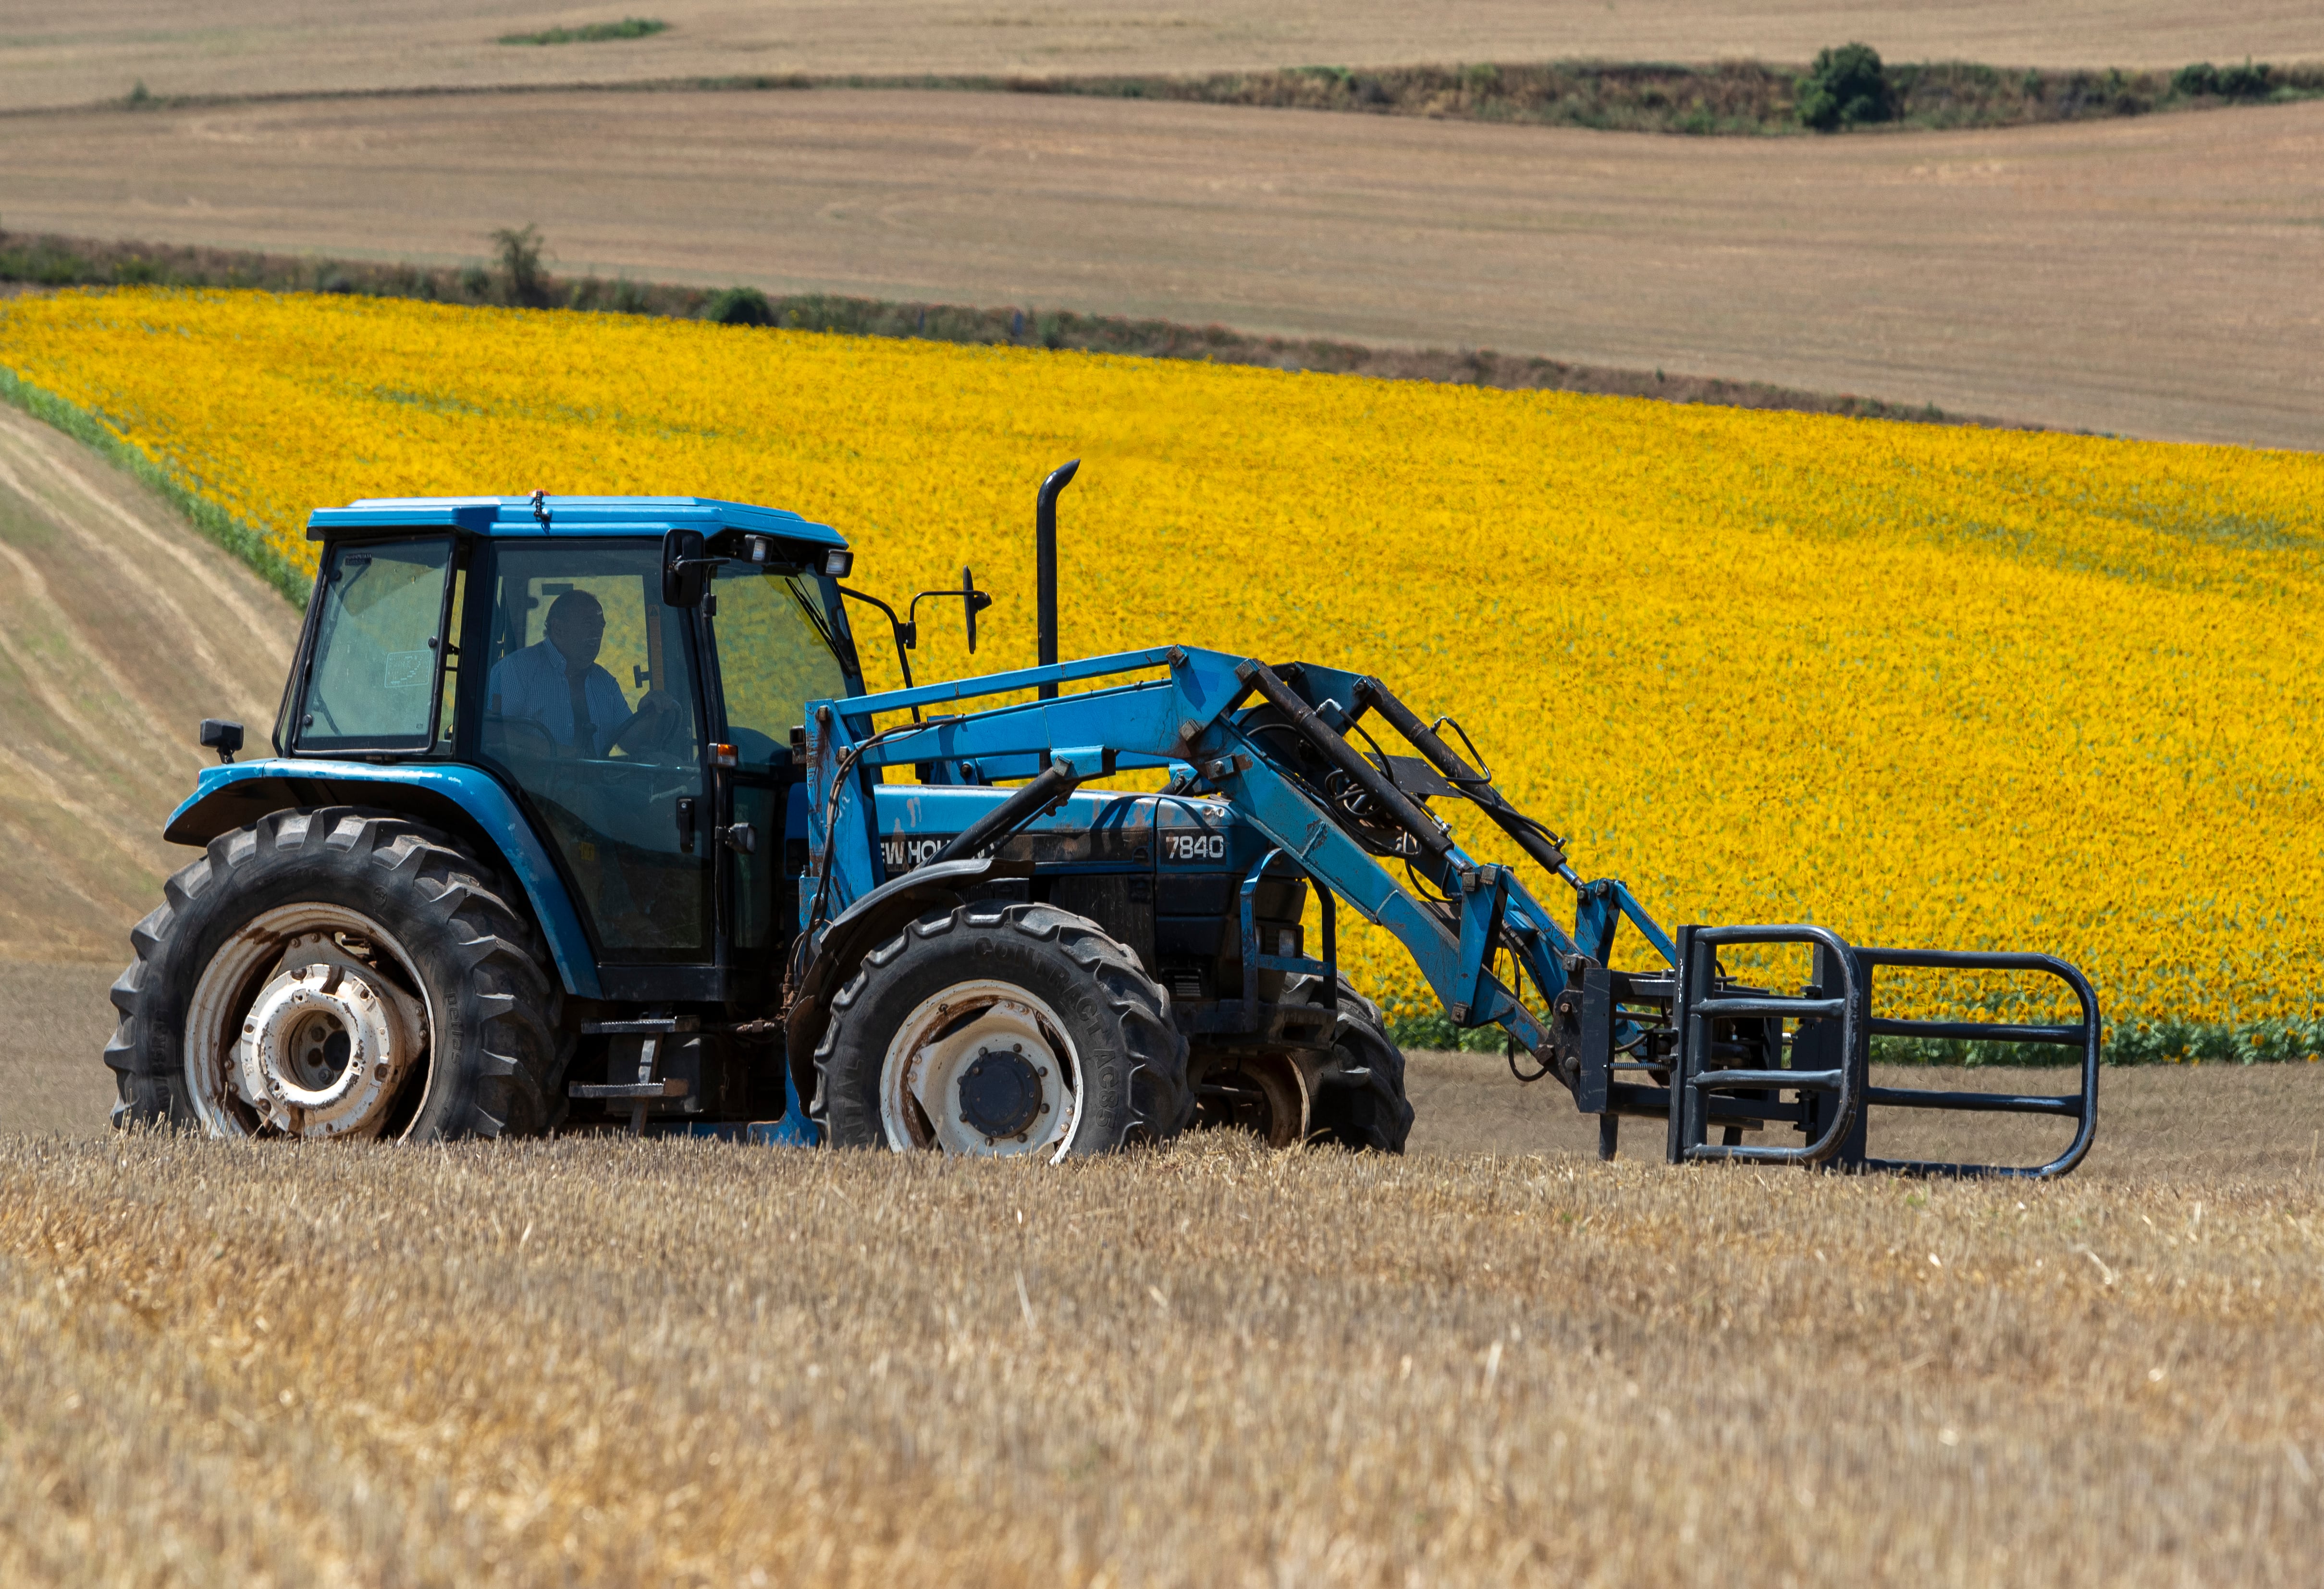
pixel 2251 80
pixel 739 306
pixel 528 284
pixel 595 32
pixel 1844 87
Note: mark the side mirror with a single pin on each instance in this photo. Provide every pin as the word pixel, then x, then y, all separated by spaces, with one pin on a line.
pixel 221 735
pixel 685 570
pixel 977 602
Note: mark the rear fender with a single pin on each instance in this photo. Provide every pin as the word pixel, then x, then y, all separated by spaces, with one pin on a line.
pixel 466 801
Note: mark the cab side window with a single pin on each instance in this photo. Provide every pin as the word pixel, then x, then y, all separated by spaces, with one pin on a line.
pixel 777 650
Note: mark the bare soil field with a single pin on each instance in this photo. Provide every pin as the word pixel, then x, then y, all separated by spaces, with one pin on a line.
pixel 2151 277
pixel 604 1363
pixel 56 53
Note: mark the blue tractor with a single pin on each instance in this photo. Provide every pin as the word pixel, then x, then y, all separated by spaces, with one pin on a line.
pixel 580 816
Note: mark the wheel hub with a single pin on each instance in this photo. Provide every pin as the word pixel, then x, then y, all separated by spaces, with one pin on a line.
pixel 999 1094
pixel 982 1067
pixel 323 1051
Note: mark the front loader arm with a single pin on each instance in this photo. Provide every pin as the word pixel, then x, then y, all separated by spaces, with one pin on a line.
pixel 1191 719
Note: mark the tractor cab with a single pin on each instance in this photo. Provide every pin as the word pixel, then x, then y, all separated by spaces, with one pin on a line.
pixel 627 670
pixel 538 767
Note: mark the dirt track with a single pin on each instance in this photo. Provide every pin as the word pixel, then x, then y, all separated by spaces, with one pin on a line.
pixel 2156 1121
pixel 53 52
pixel 120 629
pixel 2153 277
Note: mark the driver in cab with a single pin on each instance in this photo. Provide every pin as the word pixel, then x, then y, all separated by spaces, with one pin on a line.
pixel 556 684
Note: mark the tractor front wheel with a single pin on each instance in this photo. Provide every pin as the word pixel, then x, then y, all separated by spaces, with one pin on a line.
pixel 1360 1099
pixel 335 974
pixel 999 1030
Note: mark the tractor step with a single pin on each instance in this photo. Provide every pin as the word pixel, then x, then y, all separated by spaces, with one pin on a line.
pixel 676 1087
pixel 651 1033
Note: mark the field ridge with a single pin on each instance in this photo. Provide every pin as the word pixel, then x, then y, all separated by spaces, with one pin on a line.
pixel 1725 98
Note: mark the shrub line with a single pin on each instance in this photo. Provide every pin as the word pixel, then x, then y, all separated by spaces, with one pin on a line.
pixel 522 282
pixel 1725 98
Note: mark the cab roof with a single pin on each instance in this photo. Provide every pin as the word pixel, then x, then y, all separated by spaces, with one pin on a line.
pixel 515 516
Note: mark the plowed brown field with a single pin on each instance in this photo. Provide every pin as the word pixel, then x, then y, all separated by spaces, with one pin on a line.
pixel 120 630
pixel 2153 277
pixel 56 52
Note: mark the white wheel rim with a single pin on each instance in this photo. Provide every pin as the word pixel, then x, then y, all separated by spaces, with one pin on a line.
pixel 964 1048
pixel 250 1036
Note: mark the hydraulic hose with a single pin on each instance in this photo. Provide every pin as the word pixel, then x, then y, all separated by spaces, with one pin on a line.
pixel 1052 783
pixel 1345 757
pixel 1527 832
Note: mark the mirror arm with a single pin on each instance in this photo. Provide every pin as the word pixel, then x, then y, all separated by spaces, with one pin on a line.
pixel 976 600
pixel 904 633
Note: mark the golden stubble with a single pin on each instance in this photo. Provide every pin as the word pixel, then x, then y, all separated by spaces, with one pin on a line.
pixel 603 1362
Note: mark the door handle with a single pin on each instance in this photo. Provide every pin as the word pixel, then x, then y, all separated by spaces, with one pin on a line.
pixel 685 824
pixel 742 838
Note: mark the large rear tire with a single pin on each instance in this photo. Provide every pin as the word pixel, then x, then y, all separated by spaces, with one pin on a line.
pixel 335 972
pixel 1001 1030
pixel 1358 1096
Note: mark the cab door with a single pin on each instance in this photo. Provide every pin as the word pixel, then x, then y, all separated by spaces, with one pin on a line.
pixel 777 643
pixel 592 708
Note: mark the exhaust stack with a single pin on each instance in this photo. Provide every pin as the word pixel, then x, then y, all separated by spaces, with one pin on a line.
pixel 1045 547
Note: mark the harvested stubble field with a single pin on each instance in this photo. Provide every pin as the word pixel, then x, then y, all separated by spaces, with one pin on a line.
pixel 56 53
pixel 607 1363
pixel 2151 277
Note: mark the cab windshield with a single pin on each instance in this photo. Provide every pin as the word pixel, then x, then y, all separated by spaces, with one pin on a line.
pixel 779 648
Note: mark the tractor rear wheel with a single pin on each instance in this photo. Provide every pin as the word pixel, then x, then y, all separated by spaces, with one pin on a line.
pixel 334 973
pixel 1001 1030
pixel 1358 1094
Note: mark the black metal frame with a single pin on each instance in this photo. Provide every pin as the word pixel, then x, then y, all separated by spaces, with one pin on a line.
pixel 1836 1027
pixel 1700 1001
pixel 2081 1106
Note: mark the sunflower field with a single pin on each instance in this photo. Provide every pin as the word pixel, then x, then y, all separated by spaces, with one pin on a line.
pixel 1927 686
